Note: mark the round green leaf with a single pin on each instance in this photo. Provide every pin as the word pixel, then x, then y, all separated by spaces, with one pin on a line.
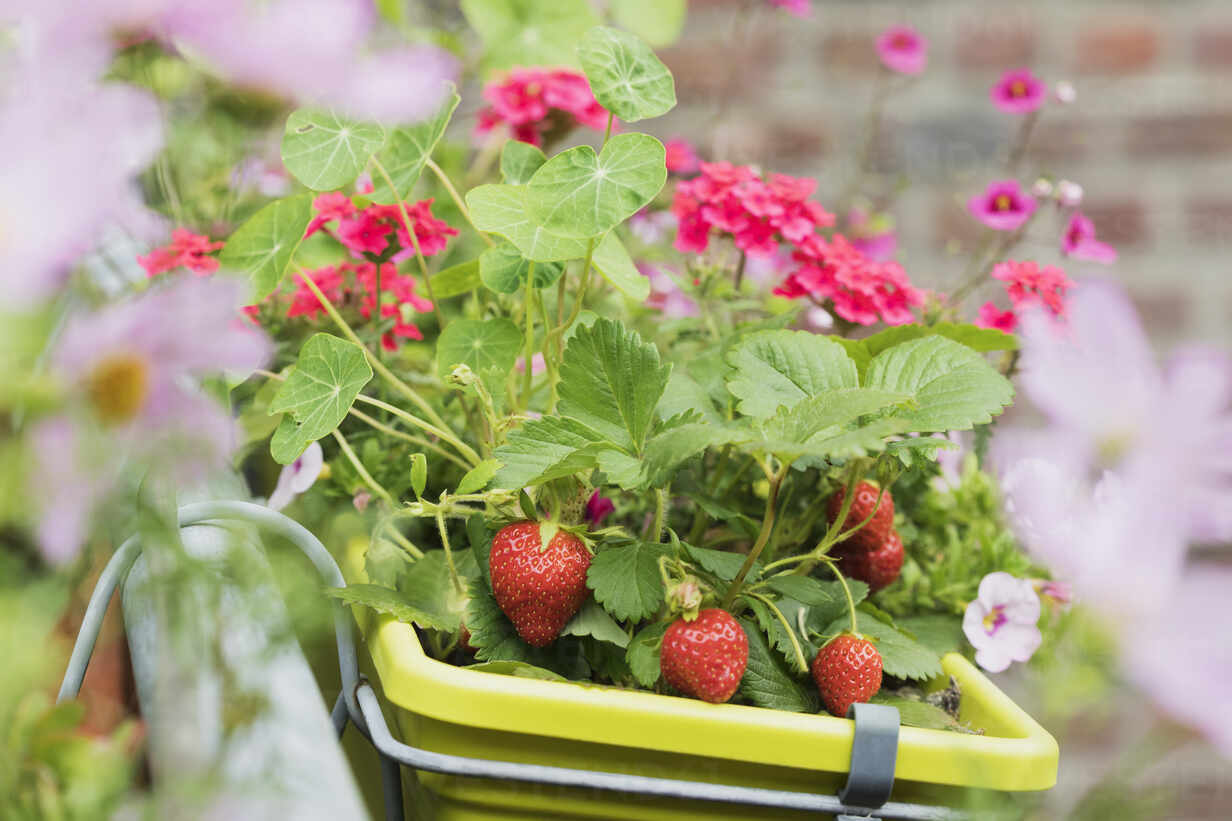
pixel 503 269
pixel 325 151
pixel 528 32
pixel 519 161
pixel 407 151
pixel 625 75
pixel 501 209
pixel 581 194
pixel 481 344
pixel 614 263
pixel 658 22
pixel 328 375
pixel 263 246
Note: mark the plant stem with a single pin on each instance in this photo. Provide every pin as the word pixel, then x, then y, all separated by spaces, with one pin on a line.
pixel 851 603
pixel 656 526
pixel 466 450
pixel 373 484
pixel 527 372
pixel 791 634
pixel 457 200
pixel 453 570
pixel 607 132
pixel 559 332
pixel 1024 140
pixel 410 232
pixel 387 528
pixel 767 525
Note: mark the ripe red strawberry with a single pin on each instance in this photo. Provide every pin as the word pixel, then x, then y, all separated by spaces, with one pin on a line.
pixel 847 670
pixel 540 587
pixel 873 534
pixel 705 658
pixel 878 567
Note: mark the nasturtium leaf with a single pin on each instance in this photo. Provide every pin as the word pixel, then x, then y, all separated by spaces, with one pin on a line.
pixel 456 279
pixel 263 246
pixel 767 682
pixel 774 369
pixel 328 375
pixel 826 410
pixel 642 654
pixel 519 161
pixel 407 152
pixel 325 151
pixel 901 655
pixel 501 209
pixel 546 449
pixel 517 669
pixel 592 620
pixel 477 478
pixel 398 605
pixel 579 193
pixel 288 441
pixel 626 579
pixel 954 388
pixel 611 380
pixel 503 269
pixel 481 344
pixel 529 32
pixel 658 22
pixel 613 262
pixel 625 75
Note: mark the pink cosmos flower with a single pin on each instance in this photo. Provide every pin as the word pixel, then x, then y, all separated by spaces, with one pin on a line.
pixel 297 477
pixel 1079 241
pixel 1018 92
pixel 800 8
pixel 598 508
pixel 991 316
pixel 187 250
pixel 902 49
pixel 525 99
pixel 681 156
pixel 1002 622
pixel 1027 284
pixel 1003 206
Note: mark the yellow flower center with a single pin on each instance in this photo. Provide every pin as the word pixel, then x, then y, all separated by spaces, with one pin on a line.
pixel 1018 89
pixel 118 387
pixel 1002 203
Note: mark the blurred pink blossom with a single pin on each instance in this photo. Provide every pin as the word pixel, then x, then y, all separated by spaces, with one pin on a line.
pixel 1018 92
pixel 902 49
pixel 666 295
pixel 1002 622
pixel 991 316
pixel 800 8
pixel 598 508
pixel 1003 206
pixel 1079 241
pixel 681 157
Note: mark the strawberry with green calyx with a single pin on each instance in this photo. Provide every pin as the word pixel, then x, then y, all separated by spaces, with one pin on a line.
pixel 871 510
pixel 878 568
pixel 538 573
pixel 706 657
pixel 847 668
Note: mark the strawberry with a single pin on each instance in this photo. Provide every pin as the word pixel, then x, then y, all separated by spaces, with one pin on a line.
pixel 538 576
pixel 873 534
pixel 878 567
pixel 705 658
pixel 847 669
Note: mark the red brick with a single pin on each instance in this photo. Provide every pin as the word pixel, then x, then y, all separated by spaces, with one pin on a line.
pixel 1001 43
pixel 1118 46
pixel 850 50
pixel 1209 219
pixel 1212 47
pixel 1200 133
pixel 734 68
pixel 1121 222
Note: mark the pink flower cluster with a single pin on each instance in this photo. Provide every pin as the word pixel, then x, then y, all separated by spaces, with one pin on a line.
pixel 367 230
pixel 757 213
pixel 1027 285
pixel 862 290
pixel 535 101
pixel 186 250
pixel 355 284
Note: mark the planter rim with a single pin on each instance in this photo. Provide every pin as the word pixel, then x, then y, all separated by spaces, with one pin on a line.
pixel 1022 756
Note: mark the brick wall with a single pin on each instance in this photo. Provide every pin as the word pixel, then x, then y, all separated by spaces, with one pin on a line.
pixel 1149 138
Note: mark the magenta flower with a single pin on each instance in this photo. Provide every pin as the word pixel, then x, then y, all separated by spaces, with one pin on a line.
pixel 1079 241
pixel 1003 206
pixel 800 8
pixel 1028 285
pixel 598 508
pixel 902 49
pixel 991 316
pixel 297 477
pixel 681 157
pixel 1002 622
pixel 1018 92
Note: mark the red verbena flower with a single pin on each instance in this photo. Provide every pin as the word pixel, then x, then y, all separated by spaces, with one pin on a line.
pixel 355 284
pixel 1028 284
pixel 186 250
pixel 681 157
pixel 526 101
pixel 368 231
pixel 861 290
pixel 991 316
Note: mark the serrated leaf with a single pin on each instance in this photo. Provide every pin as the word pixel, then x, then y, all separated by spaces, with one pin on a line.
pixel 683 393
pixel 519 161
pixel 456 279
pixel 954 388
pixel 481 344
pixel 668 450
pixel 263 246
pixel 504 270
pixel 658 22
pixel 625 75
pixel 973 336
pixel 528 32
pixel 328 375
pixel 384 563
pixel 642 654
pixel 846 444
pixel 939 632
pixel 477 478
pixel 611 381
pixel 777 633
pixel 579 193
pixel 919 713
pixel 626 579
pixel 407 152
pixel 546 449
pixel 901 655
pixel 773 369
pixel 495 639
pixel 826 410
pixel 325 151
pixel 807 590
pixel 502 209
pixel 613 262
pixel 480 539
pixel 622 469
pixel 391 602
pixel 592 620
pixel 833 607
pixel 428 585
pixel 518 669
pixel 722 564
pixel 767 683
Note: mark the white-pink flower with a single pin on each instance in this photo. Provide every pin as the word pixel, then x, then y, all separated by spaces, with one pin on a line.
pixel 1002 623
pixel 297 477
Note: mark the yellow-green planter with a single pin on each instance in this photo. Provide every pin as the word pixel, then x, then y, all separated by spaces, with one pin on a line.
pixel 450 709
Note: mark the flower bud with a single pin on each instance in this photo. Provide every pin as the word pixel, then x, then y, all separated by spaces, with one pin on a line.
pixel 1065 92
pixel 1069 194
pixel 1042 188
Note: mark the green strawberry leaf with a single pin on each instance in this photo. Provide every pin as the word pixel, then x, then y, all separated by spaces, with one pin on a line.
pixel 919 713
pixel 773 369
pixel 385 562
pixel 408 151
pixel 428 584
pixel 626 579
pixel 593 620
pixel 528 32
pixel 613 262
pixel 767 682
pixel 621 469
pixel 973 336
pixel 503 269
pixel 495 639
pixel 391 602
pixel 721 564
pixel 325 151
pixel 939 632
pixel 477 478
pixel 954 387
pixel 667 451
pixel 317 395
pixel 658 22
pixel 263 246
pixel 827 410
pixel 482 344
pixel 831 605
pixel 901 655
pixel 456 279
pixel 683 394
pixel 625 75
pixel 519 161
pixel 780 639
pixel 502 209
pixel 545 449
pixel 643 654
pixel 518 669
pixel 579 193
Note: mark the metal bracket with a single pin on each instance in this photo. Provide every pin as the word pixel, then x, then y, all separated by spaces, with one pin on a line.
pixel 874 752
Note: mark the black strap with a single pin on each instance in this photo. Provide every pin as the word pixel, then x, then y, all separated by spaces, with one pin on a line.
pixel 874 751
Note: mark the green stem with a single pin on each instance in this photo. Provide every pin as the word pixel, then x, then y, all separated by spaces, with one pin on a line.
pixel 453 570
pixel 851 603
pixel 466 450
pixel 656 526
pixel 560 331
pixel 373 484
pixel 791 633
pixel 457 199
pixel 528 371
pixel 387 528
pixel 767 525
